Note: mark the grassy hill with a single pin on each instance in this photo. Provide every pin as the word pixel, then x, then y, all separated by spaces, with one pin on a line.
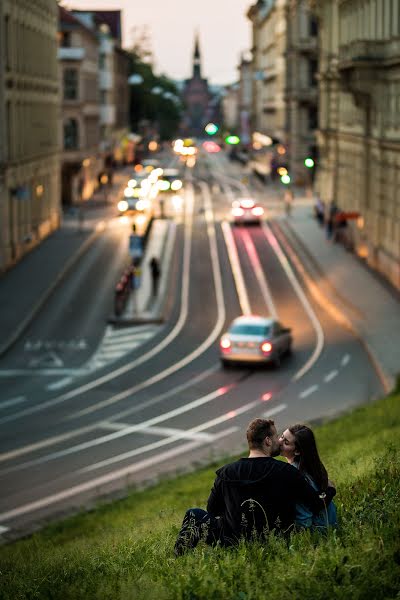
pixel 124 550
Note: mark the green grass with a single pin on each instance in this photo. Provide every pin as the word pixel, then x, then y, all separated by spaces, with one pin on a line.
pixel 124 550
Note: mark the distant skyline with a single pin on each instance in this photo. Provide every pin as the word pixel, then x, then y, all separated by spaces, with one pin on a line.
pixel 224 33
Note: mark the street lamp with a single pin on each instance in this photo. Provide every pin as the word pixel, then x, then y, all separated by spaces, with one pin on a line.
pixel 135 79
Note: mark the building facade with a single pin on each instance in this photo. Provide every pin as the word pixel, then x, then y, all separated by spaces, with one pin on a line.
pixel 82 161
pixel 285 96
pixel 269 27
pixel 301 89
pixel 29 106
pixel 359 127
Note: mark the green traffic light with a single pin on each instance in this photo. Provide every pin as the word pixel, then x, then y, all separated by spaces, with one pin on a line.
pixel 285 179
pixel 232 139
pixel 309 163
pixel 211 128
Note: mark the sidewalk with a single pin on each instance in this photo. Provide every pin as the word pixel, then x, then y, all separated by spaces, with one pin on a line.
pixel 142 305
pixel 25 288
pixel 370 305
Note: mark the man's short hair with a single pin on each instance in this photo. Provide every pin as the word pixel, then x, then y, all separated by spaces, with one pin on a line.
pixel 258 430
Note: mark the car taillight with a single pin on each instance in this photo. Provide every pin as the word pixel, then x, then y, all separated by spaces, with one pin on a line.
pixel 237 211
pixel 225 344
pixel 257 211
pixel 266 347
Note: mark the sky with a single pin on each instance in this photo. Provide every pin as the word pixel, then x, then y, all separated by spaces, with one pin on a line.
pixel 223 27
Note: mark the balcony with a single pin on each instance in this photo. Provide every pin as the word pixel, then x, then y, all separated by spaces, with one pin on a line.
pixel 71 53
pixel 305 45
pixel 361 62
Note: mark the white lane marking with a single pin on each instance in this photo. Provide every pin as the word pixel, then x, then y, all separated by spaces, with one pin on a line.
pixel 48 359
pixel 309 391
pixel 345 360
pixel 204 345
pixel 105 479
pixel 99 481
pixel 274 411
pixel 83 430
pixel 236 268
pixel 120 433
pixel 232 414
pixel 150 354
pixel 331 376
pixel 3 529
pixel 40 372
pixel 163 432
pixel 142 450
pixel 13 401
pixel 51 441
pixel 303 299
pixel 59 384
pixel 262 282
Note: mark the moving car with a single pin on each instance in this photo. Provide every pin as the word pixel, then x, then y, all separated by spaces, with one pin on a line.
pixel 170 181
pixel 246 211
pixel 255 339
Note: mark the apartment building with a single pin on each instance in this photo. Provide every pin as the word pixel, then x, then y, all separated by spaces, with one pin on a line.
pixel 113 73
pixel 269 30
pixel 29 152
pixel 301 89
pixel 359 126
pixel 82 160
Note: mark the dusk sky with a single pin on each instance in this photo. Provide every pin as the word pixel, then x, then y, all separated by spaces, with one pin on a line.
pixel 222 24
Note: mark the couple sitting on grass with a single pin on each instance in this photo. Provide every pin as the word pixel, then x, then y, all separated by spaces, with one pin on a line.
pixel 259 494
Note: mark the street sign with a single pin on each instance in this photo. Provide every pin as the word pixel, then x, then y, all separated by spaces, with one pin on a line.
pixel 135 246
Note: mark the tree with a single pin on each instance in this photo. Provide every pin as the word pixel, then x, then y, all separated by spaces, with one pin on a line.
pixel 155 100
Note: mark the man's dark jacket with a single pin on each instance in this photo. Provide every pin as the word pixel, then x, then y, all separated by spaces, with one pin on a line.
pixel 255 495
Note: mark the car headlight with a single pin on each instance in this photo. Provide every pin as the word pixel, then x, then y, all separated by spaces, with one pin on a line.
pixel 163 185
pixel 176 185
pixel 123 206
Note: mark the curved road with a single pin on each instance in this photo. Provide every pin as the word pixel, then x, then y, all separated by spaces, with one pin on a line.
pixel 169 403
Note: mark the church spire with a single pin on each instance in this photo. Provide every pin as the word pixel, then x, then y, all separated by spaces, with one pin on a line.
pixel 196 57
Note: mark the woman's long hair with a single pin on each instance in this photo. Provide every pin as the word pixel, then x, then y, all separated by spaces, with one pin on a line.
pixel 308 460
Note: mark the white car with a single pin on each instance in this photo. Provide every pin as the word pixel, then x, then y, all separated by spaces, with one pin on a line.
pixel 246 211
pixel 254 339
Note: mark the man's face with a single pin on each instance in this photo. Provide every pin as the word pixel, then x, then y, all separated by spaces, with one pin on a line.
pixel 275 446
pixel 287 445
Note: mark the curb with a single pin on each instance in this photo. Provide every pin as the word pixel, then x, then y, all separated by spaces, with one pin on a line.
pixel 156 315
pixel 385 379
pixel 61 275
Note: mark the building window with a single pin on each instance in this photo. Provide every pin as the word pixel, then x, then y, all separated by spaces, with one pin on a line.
pixel 313 26
pixel 7 41
pixel 70 84
pixel 312 118
pixel 312 71
pixel 71 134
pixel 65 39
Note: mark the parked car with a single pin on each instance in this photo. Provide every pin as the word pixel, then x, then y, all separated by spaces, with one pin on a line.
pixel 254 339
pixel 246 211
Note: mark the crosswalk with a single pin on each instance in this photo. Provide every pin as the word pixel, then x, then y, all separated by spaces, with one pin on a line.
pixel 118 342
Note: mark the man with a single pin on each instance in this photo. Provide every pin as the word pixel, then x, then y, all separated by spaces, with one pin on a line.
pixel 251 496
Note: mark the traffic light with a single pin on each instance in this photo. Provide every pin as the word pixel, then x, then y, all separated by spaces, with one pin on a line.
pixel 211 128
pixel 309 162
pixel 232 139
pixel 285 179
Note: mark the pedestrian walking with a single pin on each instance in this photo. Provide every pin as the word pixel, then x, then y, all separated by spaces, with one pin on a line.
pixel 155 273
pixel 288 200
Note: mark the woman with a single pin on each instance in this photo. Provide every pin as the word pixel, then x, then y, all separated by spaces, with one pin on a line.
pixel 298 446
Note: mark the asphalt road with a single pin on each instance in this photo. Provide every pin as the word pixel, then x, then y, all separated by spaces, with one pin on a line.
pixel 168 403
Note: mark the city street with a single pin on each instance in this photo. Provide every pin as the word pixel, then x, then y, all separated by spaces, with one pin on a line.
pixel 70 435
